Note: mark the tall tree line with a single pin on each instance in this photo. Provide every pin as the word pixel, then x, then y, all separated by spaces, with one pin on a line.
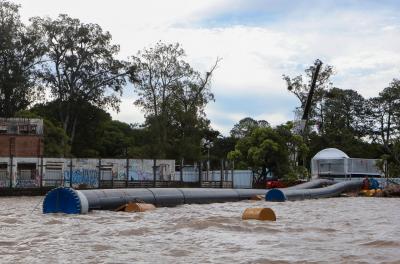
pixel 69 73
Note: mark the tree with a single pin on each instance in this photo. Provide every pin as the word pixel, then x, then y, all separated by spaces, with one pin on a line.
pixel 245 126
pixel 173 97
pixel 301 88
pixel 55 138
pixel 344 111
pixel 267 150
pixel 20 53
pixel 97 136
pixel 115 138
pixel 81 67
pixel 385 121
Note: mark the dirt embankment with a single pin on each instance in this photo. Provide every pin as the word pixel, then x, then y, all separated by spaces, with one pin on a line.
pixel 391 191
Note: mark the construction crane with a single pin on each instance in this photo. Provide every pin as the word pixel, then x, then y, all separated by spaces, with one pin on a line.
pixel 307 106
pixel 301 128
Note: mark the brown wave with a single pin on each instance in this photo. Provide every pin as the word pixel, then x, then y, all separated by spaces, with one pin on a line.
pixel 7 243
pixel 54 222
pixel 10 221
pixel 382 244
pixel 134 232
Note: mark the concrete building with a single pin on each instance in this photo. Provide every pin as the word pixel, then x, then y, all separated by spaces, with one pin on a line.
pixel 21 137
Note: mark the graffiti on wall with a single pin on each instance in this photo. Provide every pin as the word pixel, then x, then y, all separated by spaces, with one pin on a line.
pixel 79 177
pixel 4 183
pixel 119 175
pixel 85 173
pixel 140 170
pixel 143 170
pixel 27 179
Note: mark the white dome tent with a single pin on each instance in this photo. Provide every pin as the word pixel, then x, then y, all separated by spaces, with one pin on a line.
pixel 334 163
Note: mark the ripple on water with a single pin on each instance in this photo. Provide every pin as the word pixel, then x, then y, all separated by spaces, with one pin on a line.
pixel 8 243
pixel 134 232
pixel 10 220
pixel 330 230
pixel 54 222
pixel 102 247
pixel 383 244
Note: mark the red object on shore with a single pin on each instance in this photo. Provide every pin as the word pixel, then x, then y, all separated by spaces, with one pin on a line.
pixel 279 183
pixel 275 183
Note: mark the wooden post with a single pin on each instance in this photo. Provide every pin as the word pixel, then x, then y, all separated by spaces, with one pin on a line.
pixel 154 173
pixel 181 172
pixel 222 175
pixel 99 174
pixel 41 172
pixel 127 172
pixel 11 169
pixel 233 173
pixel 200 174
pixel 70 172
pixel 112 176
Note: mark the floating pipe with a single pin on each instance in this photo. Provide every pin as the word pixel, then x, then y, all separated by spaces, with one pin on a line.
pixel 281 195
pixel 70 201
pixel 311 184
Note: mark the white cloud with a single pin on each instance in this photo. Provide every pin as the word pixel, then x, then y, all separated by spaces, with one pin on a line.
pixel 129 113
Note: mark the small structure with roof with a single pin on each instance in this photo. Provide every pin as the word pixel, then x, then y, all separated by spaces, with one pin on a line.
pixel 334 163
pixel 21 137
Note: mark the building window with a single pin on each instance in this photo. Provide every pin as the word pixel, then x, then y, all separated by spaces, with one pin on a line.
pixel 3 128
pixel 26 171
pixel 3 173
pixel 106 173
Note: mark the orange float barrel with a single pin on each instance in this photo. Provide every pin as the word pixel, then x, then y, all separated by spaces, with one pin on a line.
pixel 264 214
pixel 136 207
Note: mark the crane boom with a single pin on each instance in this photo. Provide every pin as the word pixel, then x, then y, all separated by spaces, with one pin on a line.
pixel 307 107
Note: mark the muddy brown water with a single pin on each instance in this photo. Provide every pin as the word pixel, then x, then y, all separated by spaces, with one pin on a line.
pixel 335 230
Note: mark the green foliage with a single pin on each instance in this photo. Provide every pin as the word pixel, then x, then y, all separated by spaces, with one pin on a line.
pixel 300 86
pixel 173 97
pixel 55 141
pixel 77 63
pixel 343 119
pixel 114 140
pixel 267 150
pixel 55 138
pixel 384 124
pixel 80 67
pixel 97 135
pixel 344 111
pixel 20 52
pixel 246 126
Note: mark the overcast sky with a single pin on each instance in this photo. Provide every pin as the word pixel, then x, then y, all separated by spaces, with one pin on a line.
pixel 259 40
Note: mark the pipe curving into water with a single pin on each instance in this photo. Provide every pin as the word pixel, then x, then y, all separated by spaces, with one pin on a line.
pixel 317 183
pixel 281 195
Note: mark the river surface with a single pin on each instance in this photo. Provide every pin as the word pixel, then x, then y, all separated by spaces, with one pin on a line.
pixel 335 230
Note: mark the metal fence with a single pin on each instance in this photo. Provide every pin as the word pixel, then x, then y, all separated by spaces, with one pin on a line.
pixel 115 173
pixel 4 179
